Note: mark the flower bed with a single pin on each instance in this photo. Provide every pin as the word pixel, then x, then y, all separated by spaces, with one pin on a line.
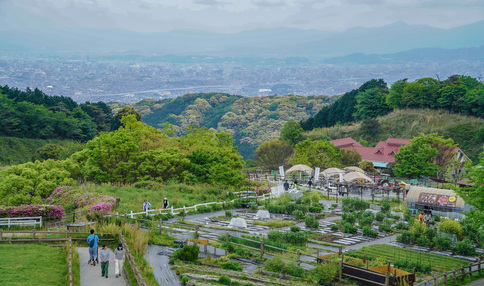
pixel 48 212
pixel 66 195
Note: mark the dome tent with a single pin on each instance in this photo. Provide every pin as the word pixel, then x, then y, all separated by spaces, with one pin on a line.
pixel 357 176
pixel 300 168
pixel 437 200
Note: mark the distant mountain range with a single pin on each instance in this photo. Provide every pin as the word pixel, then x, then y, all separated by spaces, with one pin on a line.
pixel 279 43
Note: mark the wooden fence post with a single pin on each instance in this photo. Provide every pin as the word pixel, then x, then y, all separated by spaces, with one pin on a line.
pixel 341 269
pixel 1 234
pixel 318 252
pixel 445 278
pixel 298 255
pixel 435 280
pixel 470 271
pixel 161 225
pixel 387 278
pixel 463 271
pixel 453 275
pixel 261 248
pixel 478 265
pixel 33 234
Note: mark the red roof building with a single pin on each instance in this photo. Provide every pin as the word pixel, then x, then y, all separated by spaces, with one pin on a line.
pixel 382 154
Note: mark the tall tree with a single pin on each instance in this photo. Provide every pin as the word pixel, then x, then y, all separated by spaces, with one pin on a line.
pixel 292 133
pixel 125 111
pixel 371 103
pixel 320 153
pixel 272 154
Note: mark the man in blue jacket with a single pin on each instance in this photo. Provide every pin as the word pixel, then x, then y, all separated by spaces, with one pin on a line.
pixel 92 240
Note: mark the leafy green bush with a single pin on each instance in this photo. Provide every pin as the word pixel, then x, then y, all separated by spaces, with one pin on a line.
pixel 385 206
pixel 187 253
pixel 384 228
pixel 451 226
pixel 425 241
pixel 442 242
pixel 254 206
pixel 204 209
pixel 216 207
pixel 464 247
pixel 366 218
pixel 418 229
pixel 368 232
pixel 348 228
pixel 349 218
pixel 405 237
pixel 296 238
pixel 437 217
pixel 311 222
pixel 224 280
pixel 406 217
pixel 315 209
pixel 380 216
pixel 232 265
pixel 334 227
pixel 228 213
pixel 401 225
pixel 431 233
pixel 280 266
pixel 295 228
pixel 409 265
pixel 184 279
pixel 298 214
pixel 350 204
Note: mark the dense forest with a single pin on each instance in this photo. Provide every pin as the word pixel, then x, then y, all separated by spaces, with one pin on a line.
pixel 457 94
pixel 249 120
pixel 33 114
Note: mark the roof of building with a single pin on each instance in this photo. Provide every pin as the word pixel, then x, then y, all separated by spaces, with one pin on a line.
pixel 346 143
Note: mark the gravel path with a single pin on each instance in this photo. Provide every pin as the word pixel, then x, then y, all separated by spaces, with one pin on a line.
pixel 91 275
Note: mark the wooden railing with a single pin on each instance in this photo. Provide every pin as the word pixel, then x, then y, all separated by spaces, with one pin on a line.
pixel 129 257
pixel 39 236
pixel 454 275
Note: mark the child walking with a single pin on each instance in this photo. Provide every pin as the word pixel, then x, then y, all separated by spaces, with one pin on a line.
pixel 104 261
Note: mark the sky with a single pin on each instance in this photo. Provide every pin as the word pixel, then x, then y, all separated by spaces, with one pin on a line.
pixel 225 16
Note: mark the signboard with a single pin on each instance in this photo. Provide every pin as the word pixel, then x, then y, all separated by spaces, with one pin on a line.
pixel 281 172
pixel 437 200
pixel 316 174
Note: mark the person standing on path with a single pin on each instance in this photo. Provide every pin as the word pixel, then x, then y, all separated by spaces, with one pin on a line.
pixel 286 186
pixel 118 259
pixel 92 240
pixel 165 203
pixel 104 261
pixel 146 206
pixel 310 183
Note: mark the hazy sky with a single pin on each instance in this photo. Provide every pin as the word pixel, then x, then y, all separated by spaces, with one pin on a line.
pixel 238 15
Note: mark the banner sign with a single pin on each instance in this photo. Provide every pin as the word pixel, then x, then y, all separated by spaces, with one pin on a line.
pixel 316 174
pixel 281 172
pixel 437 200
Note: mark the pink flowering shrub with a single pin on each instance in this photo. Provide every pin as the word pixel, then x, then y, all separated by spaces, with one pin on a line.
pixel 66 195
pixel 48 212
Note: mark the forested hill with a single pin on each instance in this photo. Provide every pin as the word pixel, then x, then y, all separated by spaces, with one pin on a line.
pixel 33 114
pixel 457 94
pixel 250 120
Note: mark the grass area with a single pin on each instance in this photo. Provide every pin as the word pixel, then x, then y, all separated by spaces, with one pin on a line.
pixel 76 268
pixel 32 264
pixel 439 263
pixel 20 150
pixel 276 223
pixel 178 195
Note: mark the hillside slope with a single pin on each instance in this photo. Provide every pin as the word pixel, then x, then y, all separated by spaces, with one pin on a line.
pixel 250 120
pixel 467 131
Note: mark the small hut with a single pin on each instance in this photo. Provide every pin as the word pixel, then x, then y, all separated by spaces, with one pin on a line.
pixel 439 201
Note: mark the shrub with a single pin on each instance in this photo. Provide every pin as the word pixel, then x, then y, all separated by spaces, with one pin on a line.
pixel 368 232
pixel 384 227
pixel 464 247
pixel 385 206
pixel 298 214
pixel 275 265
pixel 425 241
pixel 46 211
pixel 334 205
pixel 334 227
pixel 451 226
pixel 224 280
pixel 437 217
pixel 326 272
pixel 380 216
pixel 311 222
pixel 216 207
pixel 254 206
pixel 350 204
pixel 315 209
pixel 295 270
pixel 228 213
pixel 280 266
pixel 187 253
pixel 231 265
pixel 366 218
pixel 442 242
pixel 349 218
pixel 296 238
pixel 401 225
pixel 184 280
pixel 66 195
pixel 409 265
pixel 431 233
pixel 204 209
pixel 418 229
pixel 295 228
pixel 348 228
pixel 405 237
pixel 240 251
pixel 406 217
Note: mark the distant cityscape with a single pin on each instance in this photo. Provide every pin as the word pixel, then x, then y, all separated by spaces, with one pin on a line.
pixel 131 81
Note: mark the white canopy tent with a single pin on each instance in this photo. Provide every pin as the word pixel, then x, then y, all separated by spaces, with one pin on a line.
pixel 357 176
pixel 300 168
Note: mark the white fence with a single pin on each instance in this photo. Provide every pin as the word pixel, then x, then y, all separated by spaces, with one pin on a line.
pixel 21 221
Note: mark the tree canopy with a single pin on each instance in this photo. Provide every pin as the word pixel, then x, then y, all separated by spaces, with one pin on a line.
pixel 320 153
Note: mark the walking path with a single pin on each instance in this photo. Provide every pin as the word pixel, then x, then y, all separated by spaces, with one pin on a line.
pixel 479 282
pixel 91 275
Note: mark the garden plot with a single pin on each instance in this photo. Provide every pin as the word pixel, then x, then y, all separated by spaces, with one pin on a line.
pixel 251 227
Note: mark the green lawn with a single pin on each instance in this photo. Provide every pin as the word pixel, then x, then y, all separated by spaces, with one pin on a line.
pixel 391 253
pixel 32 264
pixel 178 195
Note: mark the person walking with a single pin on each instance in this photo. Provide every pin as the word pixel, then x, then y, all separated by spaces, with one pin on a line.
pixel 118 259
pixel 310 183
pixel 286 186
pixel 104 261
pixel 92 240
pixel 146 206
pixel 166 204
